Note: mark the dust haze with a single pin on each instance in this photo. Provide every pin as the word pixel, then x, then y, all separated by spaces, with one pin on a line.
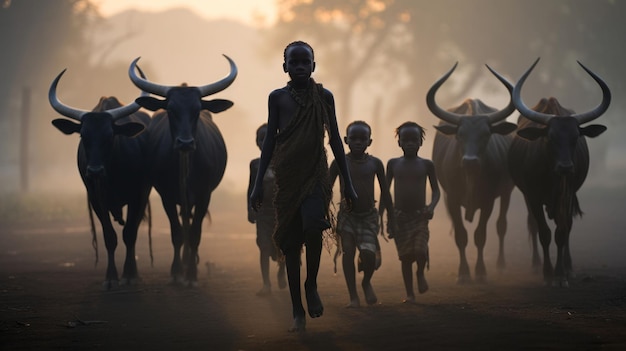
pixel 46 227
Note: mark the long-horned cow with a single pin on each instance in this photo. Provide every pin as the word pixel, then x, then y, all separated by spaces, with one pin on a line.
pixel 111 162
pixel 187 159
pixel 549 161
pixel 470 153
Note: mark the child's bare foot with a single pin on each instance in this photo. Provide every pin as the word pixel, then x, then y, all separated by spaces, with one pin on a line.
pixel 370 296
pixel 299 324
pixel 354 303
pixel 422 284
pixel 314 304
pixel 282 282
pixel 265 291
pixel 409 300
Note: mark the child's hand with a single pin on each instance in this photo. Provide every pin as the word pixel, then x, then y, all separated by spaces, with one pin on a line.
pixel 350 196
pixel 251 216
pixel 256 197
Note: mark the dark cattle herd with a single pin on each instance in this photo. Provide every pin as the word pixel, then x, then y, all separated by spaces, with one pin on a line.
pixel 479 158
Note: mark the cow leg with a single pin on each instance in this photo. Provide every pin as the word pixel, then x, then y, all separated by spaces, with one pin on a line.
pixel 561 238
pixel 545 237
pixel 176 270
pixel 501 226
pixel 533 230
pixel 460 237
pixel 134 214
pixel 195 234
pixel 111 279
pixel 480 238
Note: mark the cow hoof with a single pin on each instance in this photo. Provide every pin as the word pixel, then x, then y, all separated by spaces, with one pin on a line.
pixel 129 281
pixel 560 283
pixel 299 324
pixel 110 284
pixel 481 279
pixel 464 279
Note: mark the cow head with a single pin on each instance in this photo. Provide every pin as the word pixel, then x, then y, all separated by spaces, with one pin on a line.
pixel 183 103
pixel 97 128
pixel 472 122
pixel 563 127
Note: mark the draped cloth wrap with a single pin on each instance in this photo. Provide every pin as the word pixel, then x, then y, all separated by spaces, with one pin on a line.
pixel 299 159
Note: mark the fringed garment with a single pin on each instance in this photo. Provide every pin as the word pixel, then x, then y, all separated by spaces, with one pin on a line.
pixel 299 159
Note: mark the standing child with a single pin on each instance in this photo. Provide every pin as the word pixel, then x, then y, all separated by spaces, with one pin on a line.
pixel 265 221
pixel 299 115
pixel 359 228
pixel 409 173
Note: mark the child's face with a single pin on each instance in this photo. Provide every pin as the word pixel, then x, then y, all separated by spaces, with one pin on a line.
pixel 299 63
pixel 410 139
pixel 358 138
pixel 260 136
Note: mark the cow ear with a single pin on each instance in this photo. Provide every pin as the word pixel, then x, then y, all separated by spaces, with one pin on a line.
pixel 592 130
pixel 217 105
pixel 447 129
pixel 129 129
pixel 66 126
pixel 532 133
pixel 503 128
pixel 151 103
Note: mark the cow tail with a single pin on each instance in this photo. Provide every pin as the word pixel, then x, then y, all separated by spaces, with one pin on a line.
pixel 149 215
pixel 94 237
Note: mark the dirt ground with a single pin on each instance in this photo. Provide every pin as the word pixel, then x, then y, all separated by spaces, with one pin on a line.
pixel 51 296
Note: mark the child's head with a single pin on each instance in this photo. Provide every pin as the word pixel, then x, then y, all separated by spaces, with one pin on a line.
pixel 299 61
pixel 410 136
pixel 358 136
pixel 260 134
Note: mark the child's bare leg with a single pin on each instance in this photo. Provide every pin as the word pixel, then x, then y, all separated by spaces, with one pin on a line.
pixel 407 276
pixel 282 281
pixel 292 262
pixel 313 253
pixel 368 260
pixel 422 284
pixel 350 275
pixel 264 261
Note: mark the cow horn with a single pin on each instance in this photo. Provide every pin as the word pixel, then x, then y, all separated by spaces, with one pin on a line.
pixel 505 112
pixel 58 106
pixel 129 109
pixel 602 107
pixel 144 84
pixel 440 113
pixel 533 115
pixel 218 86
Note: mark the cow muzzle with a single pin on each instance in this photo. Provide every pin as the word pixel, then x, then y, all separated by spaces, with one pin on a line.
pixel 564 168
pixel 470 162
pixel 185 144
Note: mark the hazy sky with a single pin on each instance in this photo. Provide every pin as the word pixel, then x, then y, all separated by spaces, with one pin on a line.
pixel 243 10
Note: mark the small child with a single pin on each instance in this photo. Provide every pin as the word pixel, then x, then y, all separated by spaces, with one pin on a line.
pixel 409 173
pixel 359 227
pixel 265 221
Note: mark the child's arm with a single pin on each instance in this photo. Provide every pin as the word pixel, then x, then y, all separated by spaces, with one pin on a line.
pixel 434 186
pixel 349 194
pixel 385 202
pixel 390 211
pixel 266 150
pixel 253 171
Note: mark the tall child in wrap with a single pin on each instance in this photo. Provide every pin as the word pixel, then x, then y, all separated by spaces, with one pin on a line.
pixel 358 229
pixel 299 115
pixel 409 174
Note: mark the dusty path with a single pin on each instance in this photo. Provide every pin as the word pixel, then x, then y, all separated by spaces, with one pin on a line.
pixel 50 298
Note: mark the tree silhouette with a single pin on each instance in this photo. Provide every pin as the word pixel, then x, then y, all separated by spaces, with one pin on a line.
pixel 398 48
